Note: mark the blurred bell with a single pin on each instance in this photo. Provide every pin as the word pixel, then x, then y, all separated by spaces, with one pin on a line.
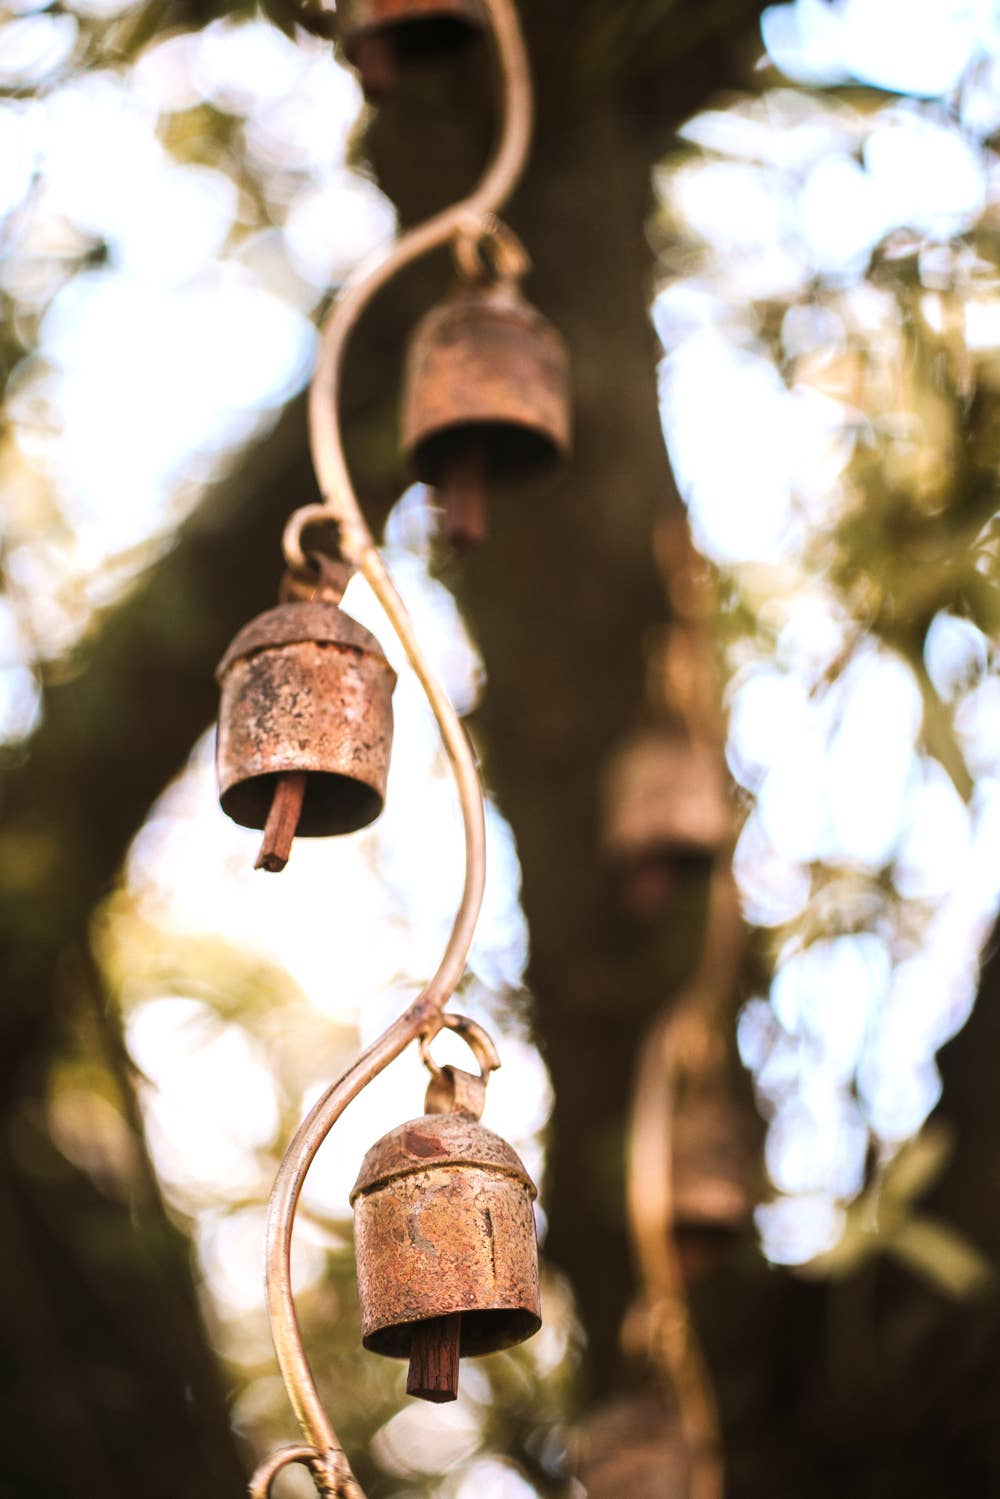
pixel 665 805
pixel 486 398
pixel 714 1174
pixel 380 35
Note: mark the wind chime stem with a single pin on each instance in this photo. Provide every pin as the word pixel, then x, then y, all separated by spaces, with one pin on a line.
pixel 282 821
pixel 473 216
pixel 434 1360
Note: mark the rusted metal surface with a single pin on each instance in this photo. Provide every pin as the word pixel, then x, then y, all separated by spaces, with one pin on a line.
pixel 486 374
pixel 452 1091
pixel 665 792
pixel 633 1450
pixel 444 1224
pixel 305 688
pixel 377 35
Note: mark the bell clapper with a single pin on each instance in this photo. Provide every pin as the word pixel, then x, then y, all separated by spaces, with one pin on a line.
pixel 463 495
pixel 282 821
pixel 433 1372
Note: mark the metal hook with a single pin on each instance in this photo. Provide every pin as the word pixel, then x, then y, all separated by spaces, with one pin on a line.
pixel 298 557
pixel 332 1477
pixel 479 1042
pixel 485 247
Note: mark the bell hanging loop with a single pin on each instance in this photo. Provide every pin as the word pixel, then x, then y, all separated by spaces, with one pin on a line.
pixel 478 1040
pixel 487 249
pixel 451 1090
pixel 312 542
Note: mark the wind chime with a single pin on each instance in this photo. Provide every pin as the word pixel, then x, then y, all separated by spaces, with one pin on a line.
pixel 445 1237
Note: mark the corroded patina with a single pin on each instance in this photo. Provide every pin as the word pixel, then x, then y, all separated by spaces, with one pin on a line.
pixel 486 368
pixel 305 688
pixel 444 1224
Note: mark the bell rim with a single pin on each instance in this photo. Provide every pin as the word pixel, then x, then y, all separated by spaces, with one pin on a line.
pixel 392 1339
pixel 469 13
pixel 544 449
pixel 246 801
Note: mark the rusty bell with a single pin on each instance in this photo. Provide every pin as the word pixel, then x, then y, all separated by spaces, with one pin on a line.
pixel 446 1251
pixel 486 398
pixel 378 35
pixel 305 714
pixel 666 803
pixel 714 1170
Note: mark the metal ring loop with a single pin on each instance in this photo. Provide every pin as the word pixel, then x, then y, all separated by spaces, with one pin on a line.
pixel 319 1465
pixel 296 556
pixel 322 579
pixel 510 260
pixel 479 1042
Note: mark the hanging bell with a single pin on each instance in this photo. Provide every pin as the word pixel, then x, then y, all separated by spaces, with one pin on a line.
pixel 714 1174
pixel 665 804
pixel 446 1252
pixel 379 35
pixel 633 1448
pixel 486 398
pixel 305 726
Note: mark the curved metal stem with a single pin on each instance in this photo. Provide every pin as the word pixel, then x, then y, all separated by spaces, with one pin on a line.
pixel 298 1158
pixel 471 216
